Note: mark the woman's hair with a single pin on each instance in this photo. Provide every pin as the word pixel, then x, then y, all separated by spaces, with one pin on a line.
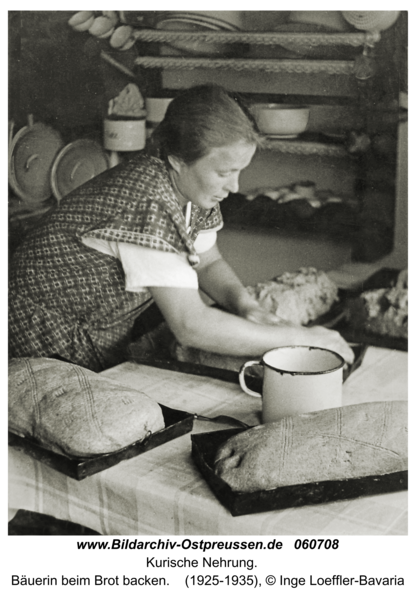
pixel 202 118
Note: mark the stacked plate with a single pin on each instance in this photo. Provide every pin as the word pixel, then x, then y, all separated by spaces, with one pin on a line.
pixel 77 163
pixel 42 166
pixel 199 21
pixel 315 22
pixel 371 20
pixel 32 152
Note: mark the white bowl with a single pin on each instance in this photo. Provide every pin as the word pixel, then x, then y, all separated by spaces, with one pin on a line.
pixel 196 21
pixel 82 20
pixel 371 20
pixel 122 37
pixel 281 120
pixel 101 27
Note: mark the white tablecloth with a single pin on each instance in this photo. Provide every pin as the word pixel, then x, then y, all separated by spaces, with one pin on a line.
pixel 162 492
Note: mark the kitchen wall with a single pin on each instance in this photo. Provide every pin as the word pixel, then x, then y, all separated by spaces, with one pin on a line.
pixel 56 73
pixel 260 255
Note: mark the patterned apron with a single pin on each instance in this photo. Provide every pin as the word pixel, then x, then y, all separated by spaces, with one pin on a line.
pixel 69 300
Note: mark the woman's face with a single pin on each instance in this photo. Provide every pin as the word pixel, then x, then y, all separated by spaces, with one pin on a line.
pixel 210 179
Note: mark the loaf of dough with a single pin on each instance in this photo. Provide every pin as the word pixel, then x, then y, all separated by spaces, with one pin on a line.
pixel 71 410
pixel 335 444
pixel 382 311
pixel 299 297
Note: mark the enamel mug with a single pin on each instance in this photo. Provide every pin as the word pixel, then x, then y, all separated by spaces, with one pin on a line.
pixel 297 379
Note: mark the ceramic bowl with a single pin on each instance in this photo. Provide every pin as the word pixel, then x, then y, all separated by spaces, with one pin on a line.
pixel 101 27
pixel 82 20
pixel 281 120
pixel 112 15
pixel 372 20
pixel 194 22
pixel 122 37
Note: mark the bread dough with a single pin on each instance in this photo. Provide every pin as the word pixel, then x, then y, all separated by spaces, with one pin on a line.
pixel 382 311
pixel 298 297
pixel 71 410
pixel 338 443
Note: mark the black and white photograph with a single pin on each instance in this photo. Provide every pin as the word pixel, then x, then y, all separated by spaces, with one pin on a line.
pixel 208 285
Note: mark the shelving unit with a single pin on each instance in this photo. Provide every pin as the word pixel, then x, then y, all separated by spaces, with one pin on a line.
pixel 259 38
pixel 241 64
pixel 307 148
pixel 298 66
pixel 345 84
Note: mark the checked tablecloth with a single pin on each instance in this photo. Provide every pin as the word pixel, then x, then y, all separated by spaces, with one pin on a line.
pixel 161 492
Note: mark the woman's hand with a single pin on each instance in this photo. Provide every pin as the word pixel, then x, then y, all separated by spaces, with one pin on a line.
pixel 326 338
pixel 311 336
pixel 257 314
pixel 218 280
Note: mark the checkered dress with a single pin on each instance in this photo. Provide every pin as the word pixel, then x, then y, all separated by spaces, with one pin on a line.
pixel 70 300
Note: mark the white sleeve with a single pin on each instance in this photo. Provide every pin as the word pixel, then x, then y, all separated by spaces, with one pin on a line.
pixel 146 267
pixel 205 240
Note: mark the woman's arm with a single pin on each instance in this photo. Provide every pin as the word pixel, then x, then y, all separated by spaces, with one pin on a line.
pixel 200 326
pixel 218 280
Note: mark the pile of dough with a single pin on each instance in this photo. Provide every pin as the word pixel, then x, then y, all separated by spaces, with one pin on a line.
pixel 71 410
pixel 298 297
pixel 382 311
pixel 335 444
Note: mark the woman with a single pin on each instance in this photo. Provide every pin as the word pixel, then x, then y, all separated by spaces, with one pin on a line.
pixel 145 232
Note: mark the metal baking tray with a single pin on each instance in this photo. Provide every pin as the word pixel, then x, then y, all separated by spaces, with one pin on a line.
pixel 206 445
pixel 177 423
pixel 383 278
pixel 253 382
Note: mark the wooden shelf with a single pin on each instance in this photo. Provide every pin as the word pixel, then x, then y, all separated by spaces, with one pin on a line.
pixel 297 66
pixel 259 38
pixel 303 147
pixel 219 57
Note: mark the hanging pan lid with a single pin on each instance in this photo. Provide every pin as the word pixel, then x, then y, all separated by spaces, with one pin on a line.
pixel 77 163
pixel 31 154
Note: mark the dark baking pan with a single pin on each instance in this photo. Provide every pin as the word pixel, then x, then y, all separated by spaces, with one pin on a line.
pixel 254 383
pixel 384 278
pixel 177 423
pixel 204 449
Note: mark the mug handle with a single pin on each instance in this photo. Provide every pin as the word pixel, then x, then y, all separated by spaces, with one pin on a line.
pixel 241 378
